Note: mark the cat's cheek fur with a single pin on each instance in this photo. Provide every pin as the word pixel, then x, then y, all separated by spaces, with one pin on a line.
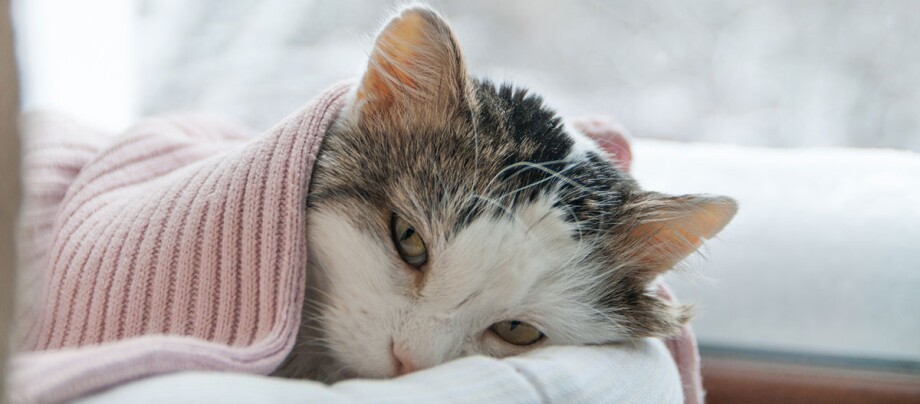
pixel 357 305
pixel 496 269
pixel 369 304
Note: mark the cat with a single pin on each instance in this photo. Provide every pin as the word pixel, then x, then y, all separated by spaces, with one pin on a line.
pixel 451 216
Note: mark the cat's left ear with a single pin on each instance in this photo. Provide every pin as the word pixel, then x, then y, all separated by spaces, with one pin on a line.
pixel 669 228
pixel 611 137
pixel 416 70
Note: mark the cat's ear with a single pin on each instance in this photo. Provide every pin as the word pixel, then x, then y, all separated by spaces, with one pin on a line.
pixel 415 70
pixel 612 138
pixel 670 228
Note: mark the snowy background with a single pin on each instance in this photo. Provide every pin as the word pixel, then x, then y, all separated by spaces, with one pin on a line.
pixel 824 256
pixel 781 73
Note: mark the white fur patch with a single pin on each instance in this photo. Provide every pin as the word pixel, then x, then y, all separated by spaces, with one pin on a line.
pixel 583 144
pixel 525 268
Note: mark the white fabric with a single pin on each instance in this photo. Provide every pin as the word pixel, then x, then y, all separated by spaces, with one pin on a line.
pixel 638 373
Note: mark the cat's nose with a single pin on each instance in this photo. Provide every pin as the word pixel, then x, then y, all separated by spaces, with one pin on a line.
pixel 404 363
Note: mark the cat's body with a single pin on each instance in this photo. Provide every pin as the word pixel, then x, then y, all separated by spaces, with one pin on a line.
pixel 449 216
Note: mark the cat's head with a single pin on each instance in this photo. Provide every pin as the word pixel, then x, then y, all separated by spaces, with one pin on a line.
pixel 449 216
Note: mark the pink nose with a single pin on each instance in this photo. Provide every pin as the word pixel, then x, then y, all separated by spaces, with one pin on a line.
pixel 404 362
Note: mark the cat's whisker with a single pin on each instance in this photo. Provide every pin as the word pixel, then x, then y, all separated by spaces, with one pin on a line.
pixel 507 210
pixel 489 185
pixel 528 164
pixel 495 178
pixel 553 173
pixel 503 171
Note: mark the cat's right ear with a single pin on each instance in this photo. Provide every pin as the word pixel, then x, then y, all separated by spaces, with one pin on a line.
pixel 415 71
pixel 670 228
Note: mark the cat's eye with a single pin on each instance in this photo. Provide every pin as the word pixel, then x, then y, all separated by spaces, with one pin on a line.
pixel 517 332
pixel 409 243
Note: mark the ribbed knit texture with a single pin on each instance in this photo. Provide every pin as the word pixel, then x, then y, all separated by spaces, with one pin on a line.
pixel 177 246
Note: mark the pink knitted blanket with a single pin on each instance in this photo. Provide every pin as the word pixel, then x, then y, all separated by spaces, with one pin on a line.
pixel 179 245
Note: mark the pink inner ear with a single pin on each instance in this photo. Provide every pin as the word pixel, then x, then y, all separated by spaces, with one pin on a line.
pixel 611 136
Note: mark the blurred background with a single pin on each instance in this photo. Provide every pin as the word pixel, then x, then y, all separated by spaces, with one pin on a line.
pixel 780 73
pixel 808 112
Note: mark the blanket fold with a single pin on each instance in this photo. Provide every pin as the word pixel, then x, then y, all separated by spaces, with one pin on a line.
pixel 177 246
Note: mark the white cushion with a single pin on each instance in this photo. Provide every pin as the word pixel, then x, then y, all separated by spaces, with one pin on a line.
pixel 639 373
